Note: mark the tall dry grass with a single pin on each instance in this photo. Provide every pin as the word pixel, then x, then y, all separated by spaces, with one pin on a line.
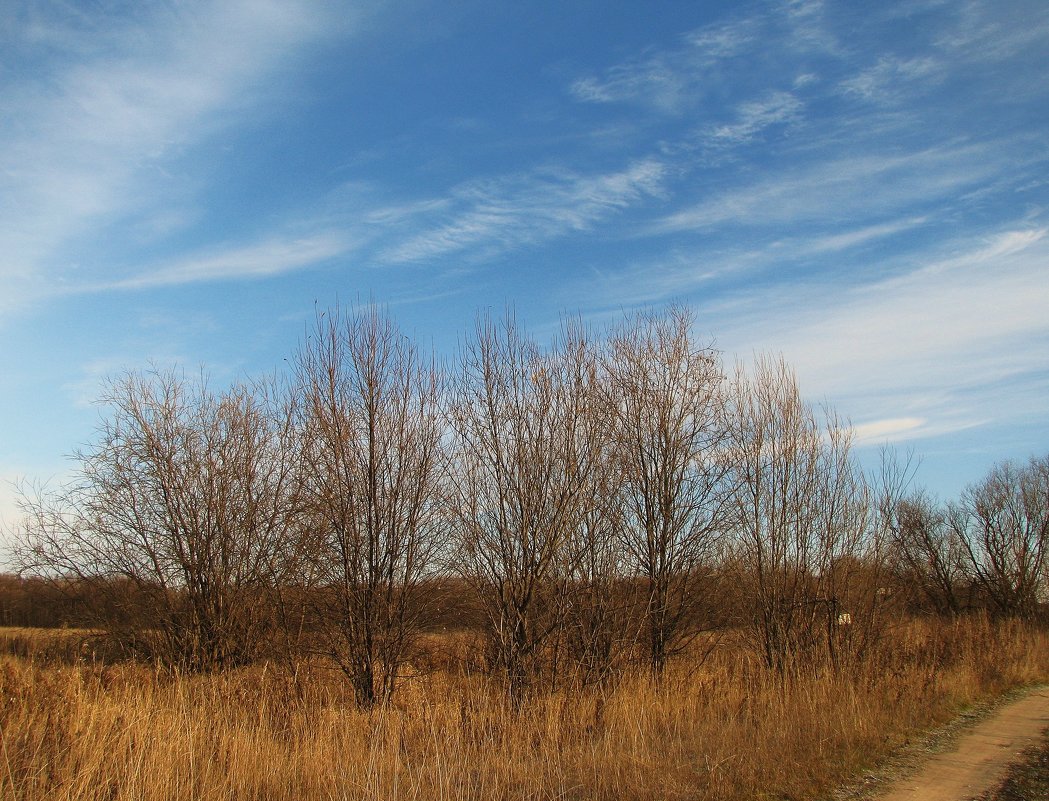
pixel 723 729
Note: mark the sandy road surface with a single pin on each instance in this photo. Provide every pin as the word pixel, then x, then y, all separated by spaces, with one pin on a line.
pixel 981 756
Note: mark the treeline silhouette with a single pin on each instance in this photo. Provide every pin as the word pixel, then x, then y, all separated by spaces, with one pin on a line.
pixel 611 500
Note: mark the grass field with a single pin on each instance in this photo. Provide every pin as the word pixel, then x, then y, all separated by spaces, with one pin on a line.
pixel 725 728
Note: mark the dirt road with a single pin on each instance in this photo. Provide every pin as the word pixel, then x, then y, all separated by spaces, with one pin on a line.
pixel 980 757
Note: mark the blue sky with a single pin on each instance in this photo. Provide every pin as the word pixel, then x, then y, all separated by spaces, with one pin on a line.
pixel 862 187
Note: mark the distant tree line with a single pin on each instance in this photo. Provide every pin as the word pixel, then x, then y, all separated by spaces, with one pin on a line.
pixel 988 550
pixel 615 496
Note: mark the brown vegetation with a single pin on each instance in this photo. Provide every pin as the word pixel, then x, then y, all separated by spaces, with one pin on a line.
pixel 612 489
pixel 598 569
pixel 728 728
pixel 369 479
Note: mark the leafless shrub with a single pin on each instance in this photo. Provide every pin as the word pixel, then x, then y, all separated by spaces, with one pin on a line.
pixel 597 627
pixel 665 400
pixel 522 458
pixel 371 436
pixel 924 553
pixel 562 505
pixel 1003 522
pixel 179 519
pixel 930 552
pixel 800 509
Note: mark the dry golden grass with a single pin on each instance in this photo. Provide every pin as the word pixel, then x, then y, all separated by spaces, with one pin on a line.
pixel 46 645
pixel 725 730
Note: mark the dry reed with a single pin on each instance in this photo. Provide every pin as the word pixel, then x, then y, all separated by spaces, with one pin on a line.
pixel 725 729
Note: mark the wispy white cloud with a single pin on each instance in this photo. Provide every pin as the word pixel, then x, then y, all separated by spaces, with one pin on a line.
pixel 936 343
pixel 986 31
pixel 955 342
pixel 834 243
pixel 722 39
pixel 655 82
pixel 682 272
pixel 891 429
pixel 754 116
pixel 270 257
pixel 670 79
pixel 846 188
pixel 892 76
pixel 807 30
pixel 14 479
pixel 94 135
pixel 500 214
pixel 86 387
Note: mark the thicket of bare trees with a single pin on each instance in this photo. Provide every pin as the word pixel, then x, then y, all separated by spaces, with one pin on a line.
pixel 928 551
pixel 181 518
pixel 610 497
pixel 666 398
pixel 988 550
pixel 369 430
pixel 1003 525
pixel 525 449
pixel 801 513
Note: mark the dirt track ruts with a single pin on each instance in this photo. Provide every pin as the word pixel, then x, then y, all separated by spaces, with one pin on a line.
pixel 981 757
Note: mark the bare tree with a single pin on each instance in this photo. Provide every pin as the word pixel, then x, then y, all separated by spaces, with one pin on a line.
pixel 371 432
pixel 850 567
pixel 800 510
pixel 665 401
pixel 522 458
pixel 597 626
pixel 180 518
pixel 928 551
pixel 1003 522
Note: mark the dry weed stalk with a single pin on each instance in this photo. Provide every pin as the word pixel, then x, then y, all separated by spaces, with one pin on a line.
pixel 732 729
